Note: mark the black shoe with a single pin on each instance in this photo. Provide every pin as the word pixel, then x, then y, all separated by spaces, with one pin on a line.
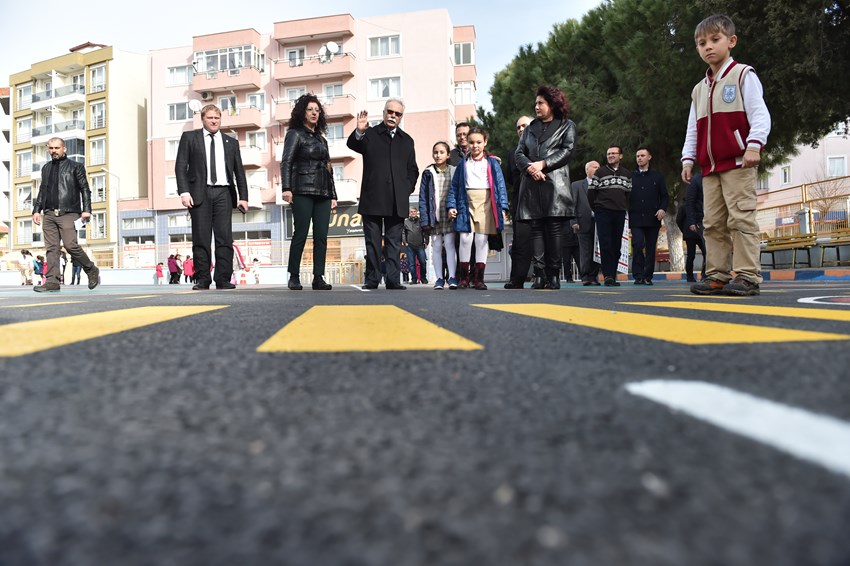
pixel 47 288
pixel 396 287
pixel 691 279
pixel 319 284
pixel 424 281
pixel 198 287
pixel 553 283
pixel 538 283
pixel 587 283
pixel 294 283
pixel 648 282
pixel 511 285
pixel 638 281
pixel 595 282
pixel 370 286
pixel 611 282
pixel 225 286
pixel 94 277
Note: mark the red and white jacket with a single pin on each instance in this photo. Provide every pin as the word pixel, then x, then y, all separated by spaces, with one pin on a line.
pixel 728 116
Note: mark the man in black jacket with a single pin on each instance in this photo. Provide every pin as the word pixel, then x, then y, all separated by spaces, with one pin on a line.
pixel 521 243
pixel 211 183
pixel 389 177
pixel 608 195
pixel 459 152
pixel 64 197
pixel 584 226
pixel 648 203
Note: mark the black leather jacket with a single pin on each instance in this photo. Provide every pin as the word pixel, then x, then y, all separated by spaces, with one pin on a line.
pixel 552 197
pixel 74 191
pixel 305 153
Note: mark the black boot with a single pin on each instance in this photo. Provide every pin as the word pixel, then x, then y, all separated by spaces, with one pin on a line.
pixel 554 282
pixel 539 279
pixel 319 284
pixel 294 282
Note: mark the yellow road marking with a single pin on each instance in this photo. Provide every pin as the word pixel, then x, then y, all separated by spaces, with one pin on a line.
pixel 678 330
pixel 792 312
pixel 40 304
pixel 708 297
pixel 380 328
pixel 140 297
pixel 39 335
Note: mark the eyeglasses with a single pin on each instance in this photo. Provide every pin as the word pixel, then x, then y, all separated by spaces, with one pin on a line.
pixel 394 113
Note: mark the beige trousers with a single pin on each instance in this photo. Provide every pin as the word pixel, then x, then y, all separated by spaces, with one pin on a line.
pixel 731 226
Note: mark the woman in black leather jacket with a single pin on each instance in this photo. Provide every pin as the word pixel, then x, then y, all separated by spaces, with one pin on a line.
pixel 545 199
pixel 308 187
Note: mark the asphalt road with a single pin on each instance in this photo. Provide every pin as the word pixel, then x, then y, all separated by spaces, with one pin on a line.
pixel 424 427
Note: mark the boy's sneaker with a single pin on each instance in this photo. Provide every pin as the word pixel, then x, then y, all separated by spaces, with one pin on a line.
pixel 452 282
pixel 439 284
pixel 741 287
pixel 709 287
pixel 47 288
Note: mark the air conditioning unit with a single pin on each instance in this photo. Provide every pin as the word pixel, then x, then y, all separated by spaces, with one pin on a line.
pixel 206 95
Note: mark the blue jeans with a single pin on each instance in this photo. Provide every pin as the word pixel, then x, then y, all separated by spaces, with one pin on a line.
pixel 412 254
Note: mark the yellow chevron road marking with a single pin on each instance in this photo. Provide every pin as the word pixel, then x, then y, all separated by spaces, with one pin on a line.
pixel 28 305
pixel 792 312
pixel 678 330
pixel 39 335
pixel 380 328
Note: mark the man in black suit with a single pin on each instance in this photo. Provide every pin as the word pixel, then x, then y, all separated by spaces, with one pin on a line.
pixel 521 243
pixel 584 226
pixel 648 204
pixel 211 183
pixel 389 177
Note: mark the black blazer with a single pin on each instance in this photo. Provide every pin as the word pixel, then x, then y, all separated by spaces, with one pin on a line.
pixel 191 167
pixel 389 168
pixel 584 214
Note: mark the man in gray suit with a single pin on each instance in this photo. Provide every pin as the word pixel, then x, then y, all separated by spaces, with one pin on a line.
pixel 584 226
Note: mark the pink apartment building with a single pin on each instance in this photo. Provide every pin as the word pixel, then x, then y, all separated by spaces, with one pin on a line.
pixel 351 64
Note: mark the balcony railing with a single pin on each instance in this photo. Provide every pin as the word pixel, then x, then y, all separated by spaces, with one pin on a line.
pixel 57 92
pixel 60 127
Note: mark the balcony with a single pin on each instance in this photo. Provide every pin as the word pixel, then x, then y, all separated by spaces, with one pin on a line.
pixel 227 80
pixel 239 117
pixel 252 156
pixel 67 129
pixel 344 106
pixel 347 190
pixel 313 68
pixel 339 150
pixel 63 97
pixel 312 29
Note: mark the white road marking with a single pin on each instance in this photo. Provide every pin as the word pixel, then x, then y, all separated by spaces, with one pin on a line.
pixel 820 301
pixel 820 439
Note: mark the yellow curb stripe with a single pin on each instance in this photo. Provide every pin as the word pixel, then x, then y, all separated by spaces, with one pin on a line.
pixel 678 330
pixel 40 335
pixel 28 305
pixel 791 312
pixel 363 328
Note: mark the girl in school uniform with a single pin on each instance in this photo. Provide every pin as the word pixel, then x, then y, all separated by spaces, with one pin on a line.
pixel 477 201
pixel 433 217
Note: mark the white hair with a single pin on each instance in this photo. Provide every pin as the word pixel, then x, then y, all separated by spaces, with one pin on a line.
pixel 396 100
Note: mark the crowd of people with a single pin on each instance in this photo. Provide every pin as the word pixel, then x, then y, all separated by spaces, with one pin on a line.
pixel 463 198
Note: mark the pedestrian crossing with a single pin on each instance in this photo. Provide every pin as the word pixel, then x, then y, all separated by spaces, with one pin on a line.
pixel 390 328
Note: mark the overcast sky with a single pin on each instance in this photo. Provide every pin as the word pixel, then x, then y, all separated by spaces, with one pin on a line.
pixel 46 29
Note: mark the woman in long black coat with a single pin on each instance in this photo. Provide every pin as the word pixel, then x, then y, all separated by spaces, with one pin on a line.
pixel 545 199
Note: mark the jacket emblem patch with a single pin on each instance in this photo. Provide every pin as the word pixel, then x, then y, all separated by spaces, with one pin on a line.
pixel 729 93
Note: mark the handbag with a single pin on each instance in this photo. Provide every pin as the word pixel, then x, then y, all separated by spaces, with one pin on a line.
pixel 324 180
pixel 496 242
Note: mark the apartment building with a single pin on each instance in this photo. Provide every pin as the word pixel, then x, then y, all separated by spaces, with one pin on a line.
pixel 351 64
pixel 5 171
pixel 93 97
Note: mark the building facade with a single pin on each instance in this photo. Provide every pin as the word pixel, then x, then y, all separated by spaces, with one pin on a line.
pixel 5 172
pixel 94 99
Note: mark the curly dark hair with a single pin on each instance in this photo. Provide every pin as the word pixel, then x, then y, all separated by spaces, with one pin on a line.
pixel 556 99
pixel 296 119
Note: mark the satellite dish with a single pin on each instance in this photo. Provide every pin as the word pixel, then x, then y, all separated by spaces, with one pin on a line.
pixel 323 52
pixel 332 47
pixel 195 106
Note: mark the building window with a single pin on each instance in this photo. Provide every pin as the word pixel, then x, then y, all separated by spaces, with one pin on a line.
pixel 23 130
pixel 97 185
pixel 257 101
pixel 463 54
pixel 229 58
pixel 171 149
pixel 256 139
pixel 385 88
pixel 171 188
pixel 98 78
pixel 339 172
pixel 97 227
pixel 292 94
pixel 836 166
pixel 387 46
pixel 295 56
pixel 24 231
pixel 785 175
pixel 97 151
pixel 98 115
pixel 24 197
pixel 179 111
pixel 180 75
pixel 332 91
pixel 24 97
pixel 464 93
pixel 142 223
pixel 335 133
pixel 227 105
pixel 24 163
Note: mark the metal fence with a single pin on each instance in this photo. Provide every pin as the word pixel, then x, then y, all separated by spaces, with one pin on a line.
pixel 820 207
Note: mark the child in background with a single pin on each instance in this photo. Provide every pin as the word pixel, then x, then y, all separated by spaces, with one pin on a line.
pixel 477 201
pixel 404 266
pixel 433 194
pixel 160 277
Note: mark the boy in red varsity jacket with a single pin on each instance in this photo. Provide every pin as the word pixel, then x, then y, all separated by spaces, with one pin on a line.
pixel 727 129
